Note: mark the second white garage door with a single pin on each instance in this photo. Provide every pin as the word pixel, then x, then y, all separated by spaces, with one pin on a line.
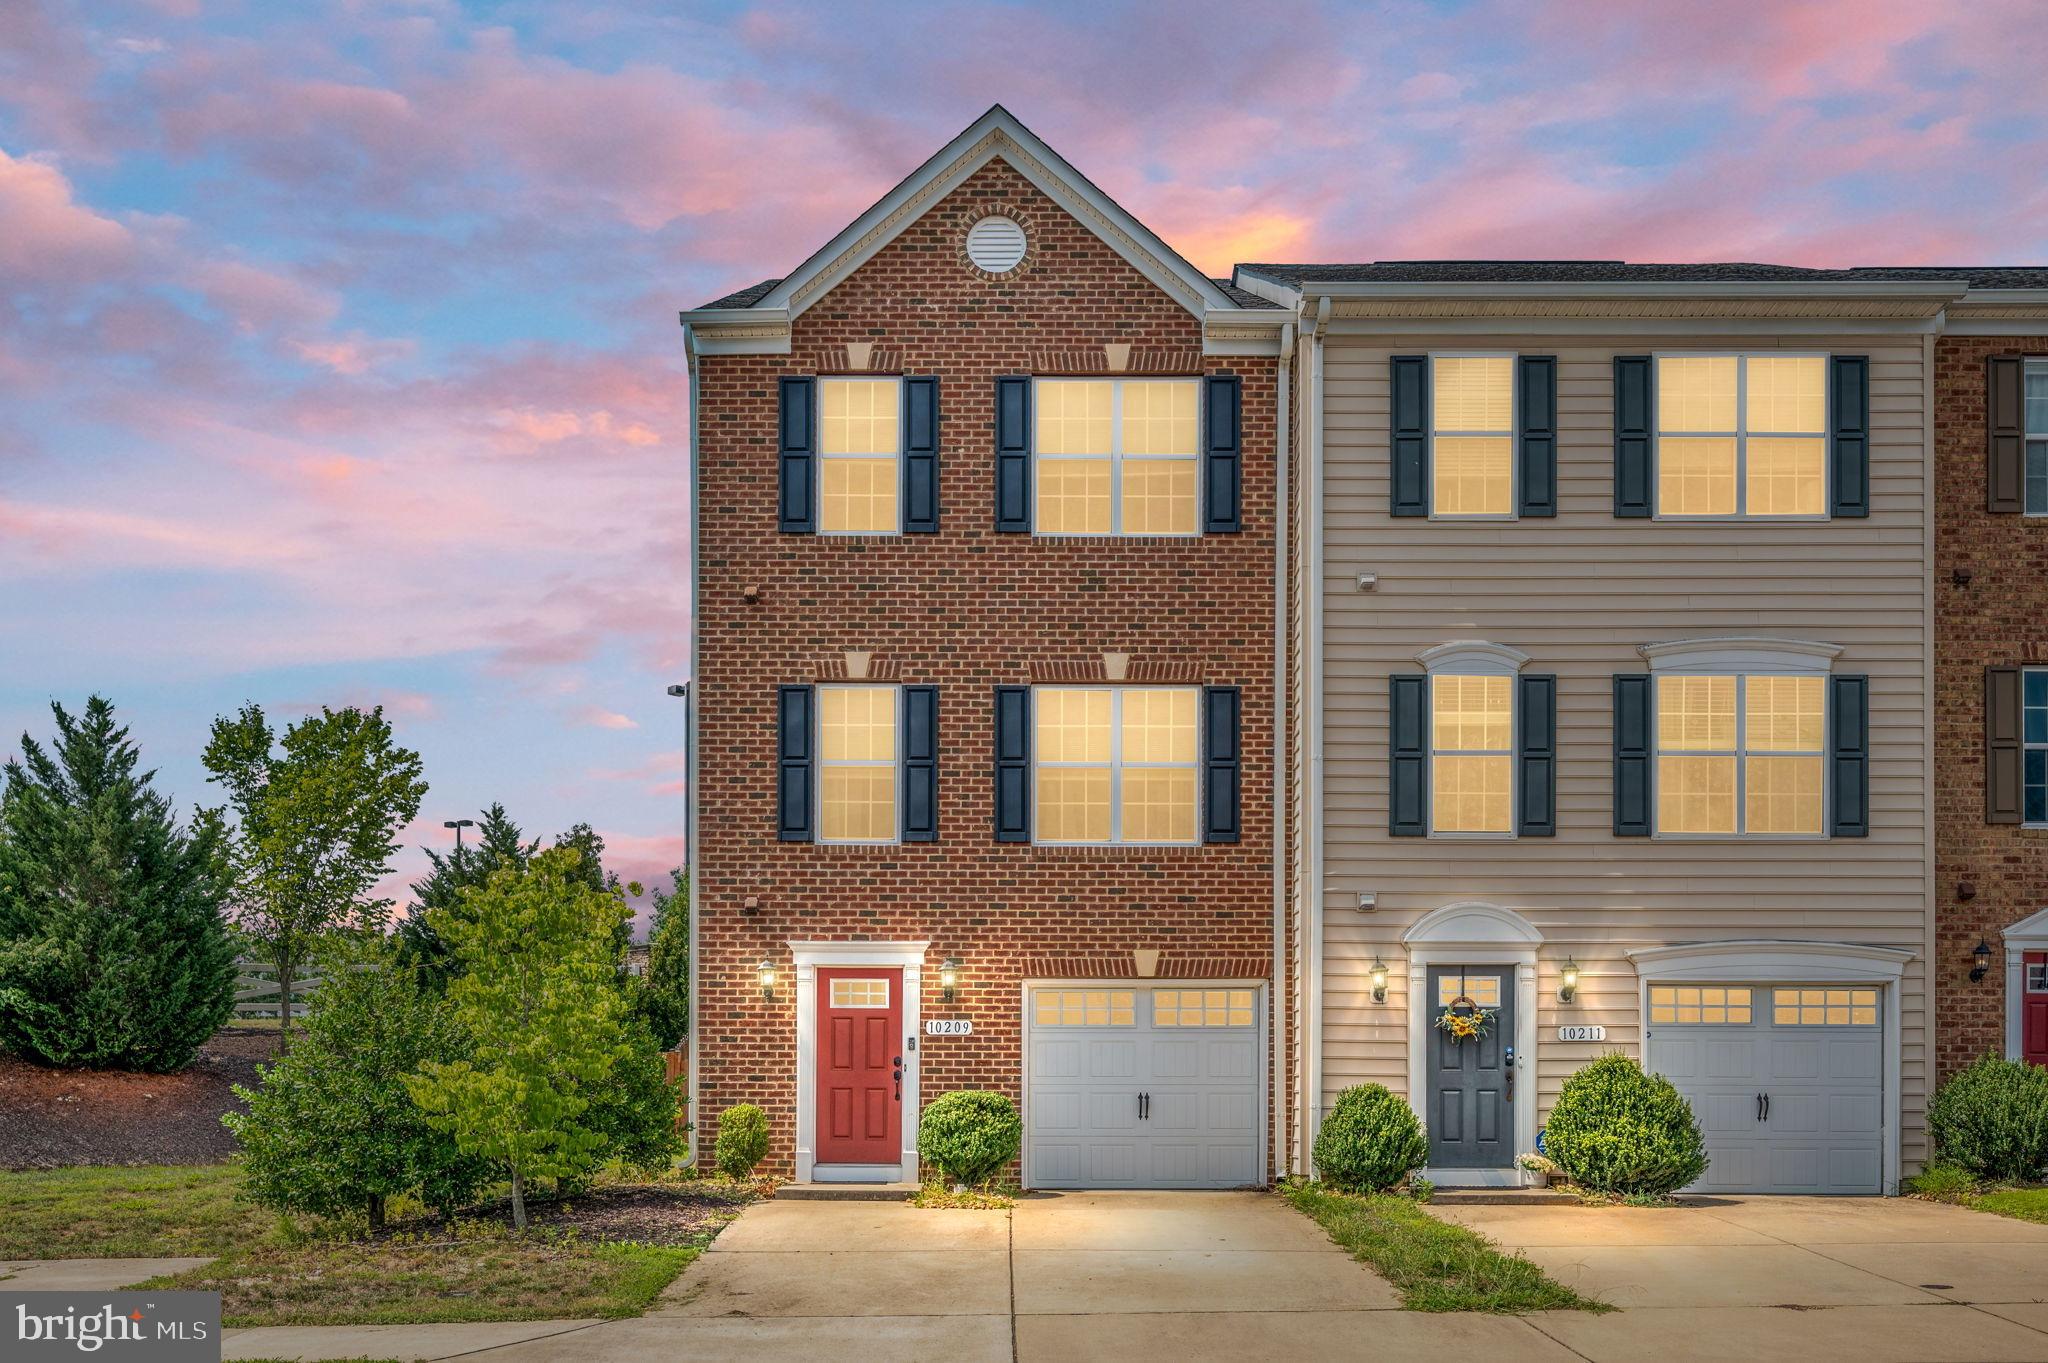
pixel 1787 1082
pixel 1142 1086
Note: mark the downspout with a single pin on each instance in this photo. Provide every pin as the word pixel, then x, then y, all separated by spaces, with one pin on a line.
pixel 691 697
pixel 1311 886
pixel 1276 1020
pixel 1930 679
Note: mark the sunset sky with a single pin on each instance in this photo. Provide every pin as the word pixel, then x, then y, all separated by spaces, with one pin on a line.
pixel 338 348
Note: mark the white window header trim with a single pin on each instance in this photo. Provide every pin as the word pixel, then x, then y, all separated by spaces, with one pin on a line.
pixel 1472 658
pixel 1747 657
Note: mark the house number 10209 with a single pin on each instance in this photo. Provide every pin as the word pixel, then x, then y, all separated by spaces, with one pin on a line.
pixel 949 1027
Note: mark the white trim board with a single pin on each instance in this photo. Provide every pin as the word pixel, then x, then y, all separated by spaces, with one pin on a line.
pixel 806 958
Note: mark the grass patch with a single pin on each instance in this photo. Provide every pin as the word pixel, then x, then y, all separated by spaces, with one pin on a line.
pixel 973 1199
pixel 475 1272
pixel 1948 1183
pixel 1435 1265
pixel 2022 1204
pixel 127 1212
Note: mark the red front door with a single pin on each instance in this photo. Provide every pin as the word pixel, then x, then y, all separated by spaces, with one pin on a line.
pixel 860 1066
pixel 2034 1008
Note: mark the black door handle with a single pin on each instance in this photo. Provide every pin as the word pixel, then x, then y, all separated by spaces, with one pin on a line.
pixel 899 1078
pixel 1767 1107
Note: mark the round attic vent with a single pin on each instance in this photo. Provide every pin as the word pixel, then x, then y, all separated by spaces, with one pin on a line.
pixel 996 244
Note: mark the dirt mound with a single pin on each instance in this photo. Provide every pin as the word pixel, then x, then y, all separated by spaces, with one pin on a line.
pixel 57 1117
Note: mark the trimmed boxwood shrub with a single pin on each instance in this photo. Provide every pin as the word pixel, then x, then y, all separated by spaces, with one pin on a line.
pixel 1370 1141
pixel 1616 1129
pixel 969 1135
pixel 1991 1118
pixel 742 1140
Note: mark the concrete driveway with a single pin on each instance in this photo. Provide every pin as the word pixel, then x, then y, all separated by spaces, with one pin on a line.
pixel 1809 1278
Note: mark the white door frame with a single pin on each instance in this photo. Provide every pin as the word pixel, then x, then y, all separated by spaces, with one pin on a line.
pixel 1763 961
pixel 1474 933
pixel 807 958
pixel 1261 1014
pixel 2029 934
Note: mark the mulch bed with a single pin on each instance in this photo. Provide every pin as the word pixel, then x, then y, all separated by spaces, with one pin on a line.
pixel 645 1213
pixel 60 1117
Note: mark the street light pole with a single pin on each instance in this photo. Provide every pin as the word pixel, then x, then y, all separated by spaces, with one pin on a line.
pixel 458 825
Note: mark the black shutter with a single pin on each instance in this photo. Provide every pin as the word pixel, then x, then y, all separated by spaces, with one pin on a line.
pixel 1536 756
pixel 1634 443
pixel 1013 764
pixel 1222 763
pixel 1536 432
pixel 797 443
pixel 2005 435
pixel 2004 786
pixel 1408 770
pixel 1849 756
pixel 920 764
pixel 795 758
pixel 1222 454
pixel 1849 436
pixel 1634 791
pixel 1409 476
pixel 1013 455
pixel 921 455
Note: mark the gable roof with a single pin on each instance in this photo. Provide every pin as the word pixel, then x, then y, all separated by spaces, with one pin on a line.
pixel 997 133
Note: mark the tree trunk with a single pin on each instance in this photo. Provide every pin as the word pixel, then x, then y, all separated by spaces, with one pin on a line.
pixel 284 1013
pixel 376 1211
pixel 518 1201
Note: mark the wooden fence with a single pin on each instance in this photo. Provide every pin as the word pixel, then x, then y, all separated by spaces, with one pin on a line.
pixel 257 994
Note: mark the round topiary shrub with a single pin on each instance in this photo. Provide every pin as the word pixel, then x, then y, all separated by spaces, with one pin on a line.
pixel 1616 1129
pixel 742 1140
pixel 1991 1118
pixel 969 1135
pixel 1370 1141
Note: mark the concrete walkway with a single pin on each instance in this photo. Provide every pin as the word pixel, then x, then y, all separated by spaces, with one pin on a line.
pixel 86 1275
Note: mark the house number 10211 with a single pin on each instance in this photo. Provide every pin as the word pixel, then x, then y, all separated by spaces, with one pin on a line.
pixel 949 1027
pixel 1582 1034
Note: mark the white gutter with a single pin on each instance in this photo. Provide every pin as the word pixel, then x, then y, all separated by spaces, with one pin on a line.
pixel 1312 742
pixel 1937 290
pixel 691 743
pixel 1277 1019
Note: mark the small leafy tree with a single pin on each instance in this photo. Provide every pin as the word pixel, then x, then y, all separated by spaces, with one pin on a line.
pixel 332 1129
pixel 113 948
pixel 316 818
pixel 742 1140
pixel 546 1019
pixel 665 995
pixel 1370 1141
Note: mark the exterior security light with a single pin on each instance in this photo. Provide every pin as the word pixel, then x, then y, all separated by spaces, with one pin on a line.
pixel 1570 987
pixel 949 978
pixel 1980 955
pixel 1379 980
pixel 765 972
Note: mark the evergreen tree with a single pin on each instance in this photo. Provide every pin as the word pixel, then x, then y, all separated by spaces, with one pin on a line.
pixel 664 998
pixel 113 949
pixel 499 846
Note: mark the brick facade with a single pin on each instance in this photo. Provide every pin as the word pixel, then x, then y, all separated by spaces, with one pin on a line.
pixel 966 609
pixel 1998 616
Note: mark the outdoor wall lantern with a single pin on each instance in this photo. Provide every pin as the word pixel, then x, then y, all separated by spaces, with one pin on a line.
pixel 765 973
pixel 1379 980
pixel 949 978
pixel 1570 988
pixel 1980 956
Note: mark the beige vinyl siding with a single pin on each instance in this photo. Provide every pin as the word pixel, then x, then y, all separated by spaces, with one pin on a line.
pixel 1579 593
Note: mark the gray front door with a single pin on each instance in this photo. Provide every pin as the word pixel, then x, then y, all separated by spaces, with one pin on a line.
pixel 1471 1084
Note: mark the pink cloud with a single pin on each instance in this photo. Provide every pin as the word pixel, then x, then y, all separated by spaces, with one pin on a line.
pixel 597 717
pixel 47 236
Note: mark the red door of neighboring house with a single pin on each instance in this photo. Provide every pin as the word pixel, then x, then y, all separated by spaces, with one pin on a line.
pixel 2034 1009
pixel 860 1066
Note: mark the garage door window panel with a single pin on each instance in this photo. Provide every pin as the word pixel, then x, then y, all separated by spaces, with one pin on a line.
pixel 1084 1007
pixel 1202 1008
pixel 1824 1007
pixel 1703 1005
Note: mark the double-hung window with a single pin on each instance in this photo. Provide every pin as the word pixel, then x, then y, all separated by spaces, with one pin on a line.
pixel 1742 436
pixel 859 456
pixel 1117 456
pixel 2036 502
pixel 1472 754
pixel 857 767
pixel 1741 754
pixel 1472 435
pixel 1116 764
pixel 2034 746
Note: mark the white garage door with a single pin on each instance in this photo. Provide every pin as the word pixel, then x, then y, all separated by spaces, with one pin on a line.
pixel 1787 1082
pixel 1142 1086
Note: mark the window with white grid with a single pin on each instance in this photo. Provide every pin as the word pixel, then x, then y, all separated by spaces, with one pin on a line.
pixel 2034 745
pixel 1471 758
pixel 1706 1005
pixel 1741 754
pixel 860 993
pixel 1084 1007
pixel 2036 503
pixel 1201 1008
pixel 1115 764
pixel 1742 435
pixel 1472 435
pixel 1824 1007
pixel 1116 456
pixel 858 448
pixel 857 772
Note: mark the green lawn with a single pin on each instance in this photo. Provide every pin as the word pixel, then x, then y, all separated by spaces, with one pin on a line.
pixel 1435 1265
pixel 127 1212
pixel 477 1273
pixel 2023 1204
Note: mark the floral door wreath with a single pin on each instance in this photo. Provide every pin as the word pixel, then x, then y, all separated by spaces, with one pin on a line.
pixel 1466 1026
